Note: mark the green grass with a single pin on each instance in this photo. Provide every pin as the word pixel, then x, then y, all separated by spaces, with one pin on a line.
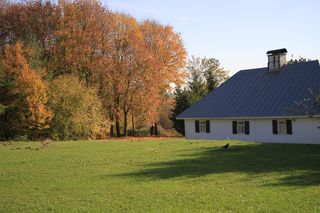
pixel 160 176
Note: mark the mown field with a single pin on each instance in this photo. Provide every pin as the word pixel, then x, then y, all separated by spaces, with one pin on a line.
pixel 174 175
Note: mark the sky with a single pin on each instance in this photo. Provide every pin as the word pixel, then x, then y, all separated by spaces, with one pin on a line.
pixel 237 33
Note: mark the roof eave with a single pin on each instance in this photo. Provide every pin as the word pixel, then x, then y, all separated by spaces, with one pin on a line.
pixel 242 118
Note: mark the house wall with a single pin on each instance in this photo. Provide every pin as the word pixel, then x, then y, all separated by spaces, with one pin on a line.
pixel 304 130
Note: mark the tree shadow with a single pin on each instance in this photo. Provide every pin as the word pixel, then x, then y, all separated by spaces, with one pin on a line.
pixel 301 163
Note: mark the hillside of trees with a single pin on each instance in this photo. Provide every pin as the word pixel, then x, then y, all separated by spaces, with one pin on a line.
pixel 76 70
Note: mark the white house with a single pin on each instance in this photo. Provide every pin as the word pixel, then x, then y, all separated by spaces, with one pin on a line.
pixel 261 105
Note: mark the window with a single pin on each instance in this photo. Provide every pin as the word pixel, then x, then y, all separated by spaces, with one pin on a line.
pixel 202 126
pixel 282 127
pixel 241 127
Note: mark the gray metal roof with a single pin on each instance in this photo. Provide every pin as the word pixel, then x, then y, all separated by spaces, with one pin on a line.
pixel 258 93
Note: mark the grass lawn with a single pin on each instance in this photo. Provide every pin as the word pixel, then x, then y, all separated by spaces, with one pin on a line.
pixel 174 175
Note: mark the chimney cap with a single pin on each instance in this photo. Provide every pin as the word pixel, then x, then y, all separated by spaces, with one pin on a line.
pixel 272 52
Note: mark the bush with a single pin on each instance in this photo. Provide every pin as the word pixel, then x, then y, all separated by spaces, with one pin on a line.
pixel 22 138
pixel 77 110
pixel 142 132
pixel 162 132
pixel 168 132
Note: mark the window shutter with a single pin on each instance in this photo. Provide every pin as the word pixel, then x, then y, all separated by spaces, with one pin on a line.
pixel 207 126
pixel 197 126
pixel 289 127
pixel 234 127
pixel 247 128
pixel 275 127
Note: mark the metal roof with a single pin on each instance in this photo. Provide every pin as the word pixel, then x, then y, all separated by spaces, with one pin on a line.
pixel 258 93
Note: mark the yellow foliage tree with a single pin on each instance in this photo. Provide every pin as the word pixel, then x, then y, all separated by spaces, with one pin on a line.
pixel 78 112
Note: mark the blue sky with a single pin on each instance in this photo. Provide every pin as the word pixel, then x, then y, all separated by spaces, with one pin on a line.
pixel 238 33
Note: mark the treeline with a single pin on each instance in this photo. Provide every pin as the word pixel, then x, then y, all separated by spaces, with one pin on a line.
pixel 205 74
pixel 75 69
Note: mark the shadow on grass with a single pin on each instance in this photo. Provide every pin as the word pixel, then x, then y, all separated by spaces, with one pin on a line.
pixel 301 163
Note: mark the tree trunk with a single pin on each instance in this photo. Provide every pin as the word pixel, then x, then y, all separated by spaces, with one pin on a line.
pixel 111 121
pixel 117 117
pixel 125 122
pixel 118 126
pixel 132 122
pixel 111 130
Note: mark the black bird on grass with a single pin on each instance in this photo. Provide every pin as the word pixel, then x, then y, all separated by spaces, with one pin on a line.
pixel 226 146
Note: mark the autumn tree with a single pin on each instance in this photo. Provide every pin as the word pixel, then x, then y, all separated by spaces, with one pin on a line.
pixel 25 95
pixel 78 112
pixel 81 38
pixel 130 64
pixel 21 21
pixel 121 73
pixel 147 59
pixel 165 112
pixel 166 69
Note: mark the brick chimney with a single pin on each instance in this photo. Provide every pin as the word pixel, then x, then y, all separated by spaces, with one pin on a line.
pixel 276 59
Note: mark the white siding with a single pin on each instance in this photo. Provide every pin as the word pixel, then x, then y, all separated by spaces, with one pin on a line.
pixel 304 130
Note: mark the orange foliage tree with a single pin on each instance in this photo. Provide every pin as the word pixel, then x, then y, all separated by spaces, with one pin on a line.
pixel 80 36
pixel 122 71
pixel 27 112
pixel 131 64
pixel 168 60
pixel 29 20
pixel 140 65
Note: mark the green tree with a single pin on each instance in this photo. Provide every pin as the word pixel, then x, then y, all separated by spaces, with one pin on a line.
pixel 181 103
pixel 205 74
pixel 213 73
pixel 2 109
pixel 197 88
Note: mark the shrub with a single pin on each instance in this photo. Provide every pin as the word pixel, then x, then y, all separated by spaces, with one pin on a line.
pixel 77 110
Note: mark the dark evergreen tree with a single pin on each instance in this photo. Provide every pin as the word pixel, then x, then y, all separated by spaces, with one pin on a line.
pixel 197 87
pixel 182 103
